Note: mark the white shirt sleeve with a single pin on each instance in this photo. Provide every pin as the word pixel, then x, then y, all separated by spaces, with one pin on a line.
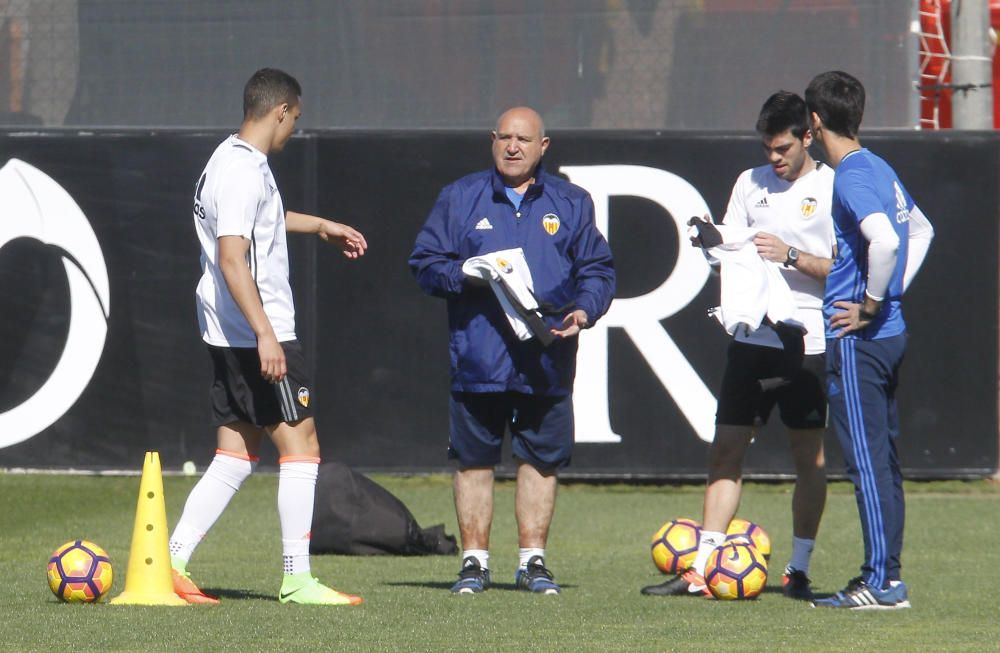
pixel 883 248
pixel 238 195
pixel 737 214
pixel 921 235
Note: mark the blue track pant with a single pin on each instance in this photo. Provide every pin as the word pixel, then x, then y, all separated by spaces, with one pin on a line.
pixel 861 386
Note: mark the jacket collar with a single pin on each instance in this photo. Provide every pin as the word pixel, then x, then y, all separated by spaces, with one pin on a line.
pixel 534 190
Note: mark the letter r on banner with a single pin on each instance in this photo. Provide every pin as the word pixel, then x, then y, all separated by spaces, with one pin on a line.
pixel 640 316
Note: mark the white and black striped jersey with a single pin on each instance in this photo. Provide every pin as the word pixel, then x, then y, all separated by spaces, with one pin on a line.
pixel 799 213
pixel 236 195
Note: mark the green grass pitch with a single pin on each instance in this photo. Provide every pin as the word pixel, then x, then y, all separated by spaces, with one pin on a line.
pixel 598 549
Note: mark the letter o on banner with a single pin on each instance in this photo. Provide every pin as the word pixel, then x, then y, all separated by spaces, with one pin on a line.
pixel 37 207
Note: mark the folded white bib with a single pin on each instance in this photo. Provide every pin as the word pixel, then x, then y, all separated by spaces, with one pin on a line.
pixel 752 288
pixel 510 278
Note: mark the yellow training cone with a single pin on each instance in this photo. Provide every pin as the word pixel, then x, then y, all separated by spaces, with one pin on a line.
pixel 149 581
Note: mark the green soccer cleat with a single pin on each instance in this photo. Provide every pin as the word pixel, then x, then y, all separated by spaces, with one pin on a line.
pixel 306 590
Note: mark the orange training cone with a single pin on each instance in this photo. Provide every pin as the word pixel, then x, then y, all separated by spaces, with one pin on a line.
pixel 148 581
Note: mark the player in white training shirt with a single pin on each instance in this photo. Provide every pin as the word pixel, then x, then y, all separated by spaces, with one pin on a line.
pixel 247 320
pixel 789 201
pixel 237 196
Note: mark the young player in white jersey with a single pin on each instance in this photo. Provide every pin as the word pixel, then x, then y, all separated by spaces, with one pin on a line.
pixel 789 201
pixel 247 320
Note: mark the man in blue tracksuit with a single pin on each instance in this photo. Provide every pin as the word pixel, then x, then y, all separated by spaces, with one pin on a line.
pixel 882 238
pixel 499 381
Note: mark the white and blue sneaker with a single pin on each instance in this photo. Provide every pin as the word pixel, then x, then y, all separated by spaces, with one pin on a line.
pixel 472 579
pixel 536 578
pixel 859 595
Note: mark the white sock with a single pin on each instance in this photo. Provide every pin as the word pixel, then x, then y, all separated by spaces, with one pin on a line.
pixel 296 496
pixel 801 553
pixel 208 499
pixel 706 544
pixel 524 555
pixel 482 555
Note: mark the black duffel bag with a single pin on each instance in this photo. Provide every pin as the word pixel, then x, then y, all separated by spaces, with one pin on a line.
pixel 354 515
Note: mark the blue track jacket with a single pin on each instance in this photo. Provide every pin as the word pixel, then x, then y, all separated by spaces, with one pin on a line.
pixel 570 263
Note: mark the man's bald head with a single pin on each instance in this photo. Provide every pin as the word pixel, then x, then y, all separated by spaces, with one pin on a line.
pixel 527 114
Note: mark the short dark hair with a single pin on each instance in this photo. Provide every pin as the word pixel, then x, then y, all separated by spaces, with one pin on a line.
pixel 783 111
pixel 268 88
pixel 839 100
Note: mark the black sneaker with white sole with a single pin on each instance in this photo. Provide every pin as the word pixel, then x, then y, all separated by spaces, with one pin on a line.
pixel 472 579
pixel 535 577
pixel 795 585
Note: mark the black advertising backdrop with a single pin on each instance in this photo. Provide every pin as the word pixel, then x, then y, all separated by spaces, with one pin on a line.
pixel 379 346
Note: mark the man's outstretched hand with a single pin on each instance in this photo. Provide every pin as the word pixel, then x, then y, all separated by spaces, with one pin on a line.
pixel 350 240
pixel 572 324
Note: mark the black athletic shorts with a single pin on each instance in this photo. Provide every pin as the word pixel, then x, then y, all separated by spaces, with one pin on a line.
pixel 541 428
pixel 240 393
pixel 802 403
